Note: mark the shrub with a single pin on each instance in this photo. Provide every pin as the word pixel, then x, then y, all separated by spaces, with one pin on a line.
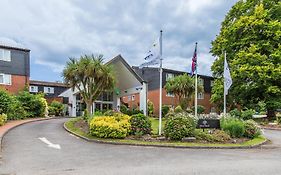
pixel 247 114
pixel 251 129
pixel 5 101
pixel 179 127
pixel 200 109
pixel 216 136
pixel 123 109
pixel 140 124
pixel 165 110
pixel 34 105
pixel 3 119
pixel 110 126
pixel 178 109
pixel 56 108
pixel 233 126
pixel 109 113
pixel 150 108
pixel 16 110
pixel 278 118
pixel 235 113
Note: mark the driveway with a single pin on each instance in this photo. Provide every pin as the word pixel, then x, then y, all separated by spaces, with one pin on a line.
pixel 24 153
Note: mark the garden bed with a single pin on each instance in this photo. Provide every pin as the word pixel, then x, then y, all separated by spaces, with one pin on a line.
pixel 80 128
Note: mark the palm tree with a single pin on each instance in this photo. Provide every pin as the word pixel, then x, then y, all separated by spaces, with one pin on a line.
pixel 183 87
pixel 90 77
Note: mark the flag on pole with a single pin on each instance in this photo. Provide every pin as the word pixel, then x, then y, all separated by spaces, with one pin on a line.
pixel 194 61
pixel 153 55
pixel 227 77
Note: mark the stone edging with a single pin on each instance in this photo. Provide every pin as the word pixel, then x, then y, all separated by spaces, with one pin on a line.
pixel 269 128
pixel 23 122
pixel 166 146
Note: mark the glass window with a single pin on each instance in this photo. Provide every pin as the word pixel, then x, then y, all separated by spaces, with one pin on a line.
pixel 5 55
pixel 33 89
pixel 133 97
pixel 5 79
pixel 129 98
pixel 212 83
pixel 200 95
pixel 49 90
pixel 170 94
pixel 169 76
pixel 201 81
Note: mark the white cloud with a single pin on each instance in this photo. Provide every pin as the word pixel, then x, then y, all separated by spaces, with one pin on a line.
pixel 55 30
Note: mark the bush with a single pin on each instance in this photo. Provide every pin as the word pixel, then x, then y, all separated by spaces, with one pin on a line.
pixel 233 126
pixel 251 129
pixel 3 119
pixel 165 110
pixel 247 114
pixel 178 109
pixel 278 118
pixel 179 127
pixel 200 109
pixel 5 101
pixel 56 108
pixel 235 113
pixel 150 108
pixel 16 110
pixel 34 105
pixel 110 126
pixel 140 124
pixel 216 136
pixel 123 109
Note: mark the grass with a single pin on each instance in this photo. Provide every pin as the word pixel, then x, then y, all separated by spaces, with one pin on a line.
pixel 155 125
pixel 70 125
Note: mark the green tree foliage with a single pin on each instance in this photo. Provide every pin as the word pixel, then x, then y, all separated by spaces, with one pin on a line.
pixel 183 87
pixel 250 35
pixel 90 77
pixel 150 107
pixel 56 108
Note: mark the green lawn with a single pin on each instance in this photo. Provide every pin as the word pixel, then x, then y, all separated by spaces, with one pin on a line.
pixel 155 125
pixel 70 126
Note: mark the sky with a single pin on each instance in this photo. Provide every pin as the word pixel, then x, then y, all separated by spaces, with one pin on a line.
pixel 55 30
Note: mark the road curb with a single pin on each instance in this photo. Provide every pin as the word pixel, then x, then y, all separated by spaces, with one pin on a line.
pixel 19 124
pixel 164 146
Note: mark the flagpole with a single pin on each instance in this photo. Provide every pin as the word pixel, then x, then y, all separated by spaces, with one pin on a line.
pixel 196 84
pixel 224 90
pixel 160 85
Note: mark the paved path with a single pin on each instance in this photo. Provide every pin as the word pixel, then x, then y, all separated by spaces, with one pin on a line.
pixel 24 153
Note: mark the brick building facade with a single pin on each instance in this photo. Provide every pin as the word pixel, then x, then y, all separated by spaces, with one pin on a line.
pixel 14 68
pixel 151 75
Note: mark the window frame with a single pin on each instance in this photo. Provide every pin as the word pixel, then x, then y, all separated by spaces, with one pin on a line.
pixel 5 77
pixel 3 56
pixel 201 97
pixel 36 89
pixel 52 90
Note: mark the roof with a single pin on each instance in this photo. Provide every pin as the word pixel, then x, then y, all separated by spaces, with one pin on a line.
pixel 120 58
pixel 171 71
pixel 46 83
pixel 14 47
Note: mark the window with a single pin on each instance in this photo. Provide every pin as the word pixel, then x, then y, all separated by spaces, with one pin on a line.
pixel 212 83
pixel 169 76
pixel 200 95
pixel 5 55
pixel 33 89
pixel 129 98
pixel 170 94
pixel 201 81
pixel 49 90
pixel 5 79
pixel 133 97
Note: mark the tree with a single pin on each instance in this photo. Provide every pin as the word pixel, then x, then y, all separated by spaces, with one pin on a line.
pixel 90 77
pixel 183 87
pixel 250 35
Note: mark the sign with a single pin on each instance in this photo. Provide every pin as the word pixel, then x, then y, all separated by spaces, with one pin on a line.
pixel 208 123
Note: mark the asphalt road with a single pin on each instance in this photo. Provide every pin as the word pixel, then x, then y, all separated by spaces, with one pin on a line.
pixel 24 153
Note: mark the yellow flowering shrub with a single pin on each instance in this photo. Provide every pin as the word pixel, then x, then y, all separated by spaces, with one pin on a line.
pixel 3 119
pixel 117 126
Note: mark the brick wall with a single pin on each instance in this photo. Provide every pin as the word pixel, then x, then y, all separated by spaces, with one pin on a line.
pixel 153 96
pixel 18 84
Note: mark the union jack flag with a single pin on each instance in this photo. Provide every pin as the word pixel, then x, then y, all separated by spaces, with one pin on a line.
pixel 194 61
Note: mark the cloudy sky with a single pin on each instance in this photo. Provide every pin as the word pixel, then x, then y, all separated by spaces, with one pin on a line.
pixel 55 30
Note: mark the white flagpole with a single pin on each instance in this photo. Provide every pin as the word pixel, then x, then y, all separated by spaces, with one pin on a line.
pixel 160 86
pixel 224 89
pixel 196 82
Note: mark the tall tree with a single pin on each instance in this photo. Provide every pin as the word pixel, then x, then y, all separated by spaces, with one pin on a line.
pixel 90 77
pixel 183 87
pixel 250 35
